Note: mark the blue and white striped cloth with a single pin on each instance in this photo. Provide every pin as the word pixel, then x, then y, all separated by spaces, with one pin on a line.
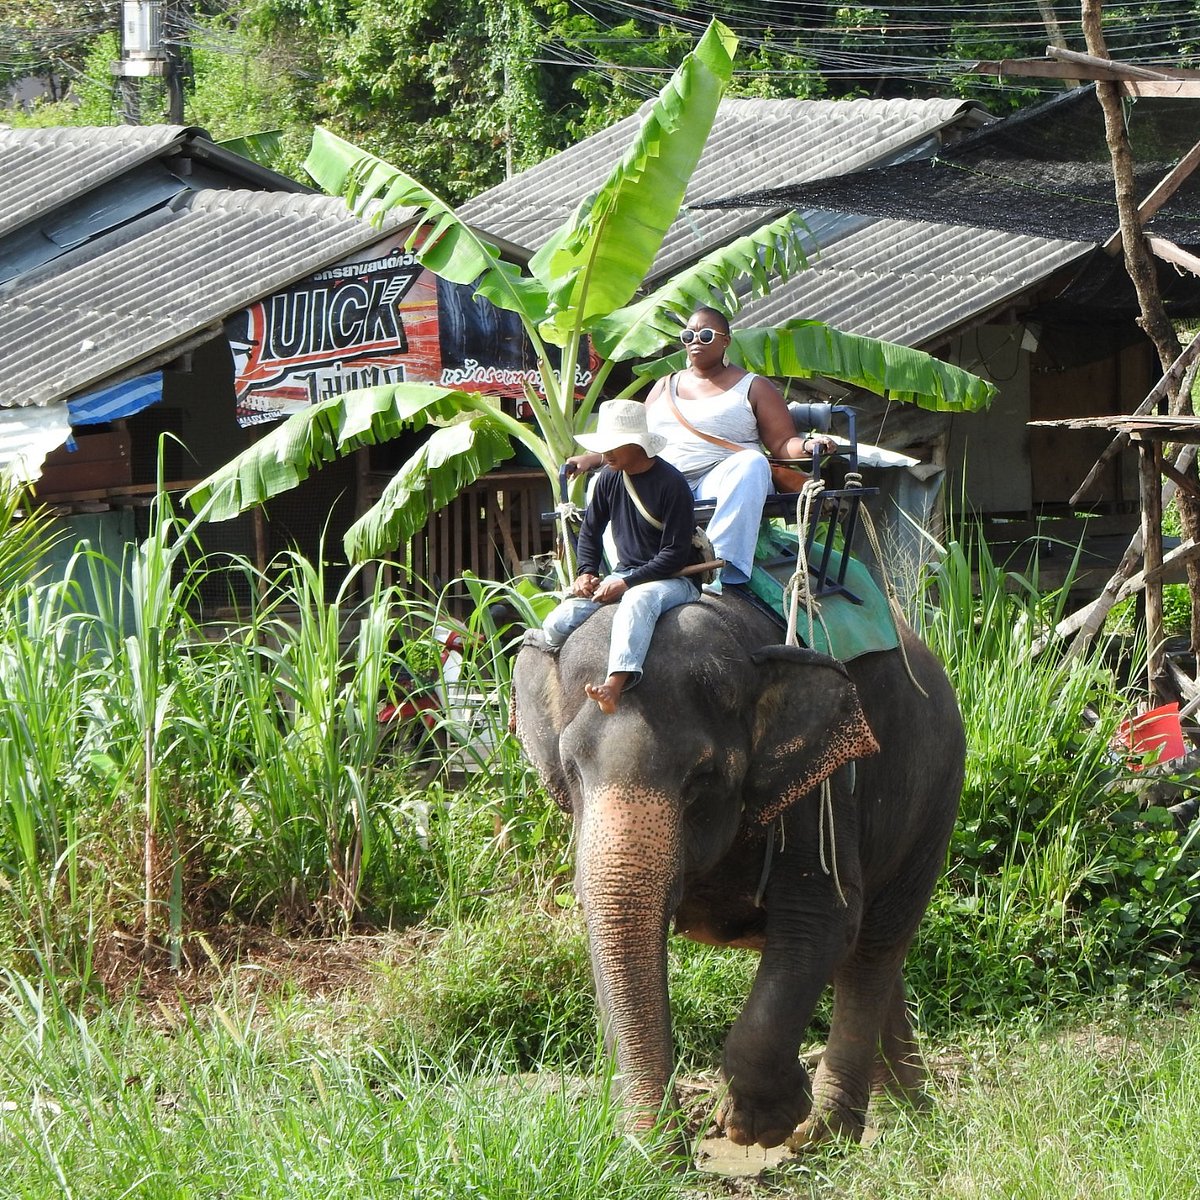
pixel 120 400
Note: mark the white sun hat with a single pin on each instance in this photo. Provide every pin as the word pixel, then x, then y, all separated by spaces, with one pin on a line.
pixel 622 423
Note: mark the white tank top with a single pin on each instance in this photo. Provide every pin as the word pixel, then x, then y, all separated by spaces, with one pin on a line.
pixel 727 415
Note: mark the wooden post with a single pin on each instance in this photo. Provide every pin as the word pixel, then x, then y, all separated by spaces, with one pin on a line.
pixel 1149 461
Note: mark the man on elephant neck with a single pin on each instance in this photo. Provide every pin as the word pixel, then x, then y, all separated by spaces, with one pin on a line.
pixel 647 506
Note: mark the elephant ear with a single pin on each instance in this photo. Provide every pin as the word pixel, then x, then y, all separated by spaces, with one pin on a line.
pixel 536 714
pixel 808 722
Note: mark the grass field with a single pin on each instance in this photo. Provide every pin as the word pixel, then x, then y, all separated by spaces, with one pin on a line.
pixel 304 1078
pixel 254 945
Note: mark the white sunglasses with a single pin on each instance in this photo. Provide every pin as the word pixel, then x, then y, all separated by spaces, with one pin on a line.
pixel 704 336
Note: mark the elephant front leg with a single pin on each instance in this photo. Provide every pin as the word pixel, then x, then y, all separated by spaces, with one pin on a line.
pixel 768 1088
pixel 870 1045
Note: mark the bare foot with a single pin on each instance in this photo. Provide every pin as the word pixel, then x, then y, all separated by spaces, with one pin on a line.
pixel 608 693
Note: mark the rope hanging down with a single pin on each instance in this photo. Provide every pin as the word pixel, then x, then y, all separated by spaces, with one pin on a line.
pixel 798 588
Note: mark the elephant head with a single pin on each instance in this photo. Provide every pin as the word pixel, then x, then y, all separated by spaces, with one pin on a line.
pixel 722 734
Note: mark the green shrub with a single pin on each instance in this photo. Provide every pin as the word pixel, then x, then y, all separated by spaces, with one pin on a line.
pixel 1056 886
pixel 518 978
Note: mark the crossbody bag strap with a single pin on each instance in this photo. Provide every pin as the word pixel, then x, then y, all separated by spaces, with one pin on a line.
pixel 637 500
pixel 707 437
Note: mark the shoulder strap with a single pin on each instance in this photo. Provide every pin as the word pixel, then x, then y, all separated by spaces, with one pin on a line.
pixel 707 437
pixel 637 500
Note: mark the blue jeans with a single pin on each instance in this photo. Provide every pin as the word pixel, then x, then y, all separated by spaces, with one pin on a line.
pixel 633 623
pixel 739 484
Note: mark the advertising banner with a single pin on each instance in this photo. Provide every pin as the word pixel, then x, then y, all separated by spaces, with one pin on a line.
pixel 376 318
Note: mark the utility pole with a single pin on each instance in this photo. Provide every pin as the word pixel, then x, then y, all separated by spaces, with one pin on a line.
pixel 173 51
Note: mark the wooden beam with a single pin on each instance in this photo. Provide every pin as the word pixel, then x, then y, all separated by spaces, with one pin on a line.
pixel 1182 89
pixel 1181 481
pixel 1162 191
pixel 1036 68
pixel 1169 252
pixel 1150 463
pixel 1091 64
pixel 1074 67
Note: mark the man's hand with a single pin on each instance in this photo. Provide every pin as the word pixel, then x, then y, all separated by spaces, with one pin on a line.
pixel 580 464
pixel 585 586
pixel 610 590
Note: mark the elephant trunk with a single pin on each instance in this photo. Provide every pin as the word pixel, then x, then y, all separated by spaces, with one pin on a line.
pixel 628 871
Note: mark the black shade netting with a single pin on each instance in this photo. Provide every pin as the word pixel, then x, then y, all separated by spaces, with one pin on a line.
pixel 1045 171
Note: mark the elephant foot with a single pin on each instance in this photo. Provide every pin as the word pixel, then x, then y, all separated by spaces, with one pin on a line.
pixel 831 1126
pixel 764 1102
pixel 758 1120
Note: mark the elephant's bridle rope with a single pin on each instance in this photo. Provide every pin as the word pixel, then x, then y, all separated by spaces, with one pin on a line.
pixel 797 589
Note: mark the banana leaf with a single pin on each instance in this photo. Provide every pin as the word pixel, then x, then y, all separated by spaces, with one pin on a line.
pixel 450 248
pixel 597 261
pixel 319 434
pixel 265 148
pixel 453 457
pixel 804 349
pixel 752 264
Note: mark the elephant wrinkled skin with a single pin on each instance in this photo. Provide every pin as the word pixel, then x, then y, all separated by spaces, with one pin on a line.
pixel 725 740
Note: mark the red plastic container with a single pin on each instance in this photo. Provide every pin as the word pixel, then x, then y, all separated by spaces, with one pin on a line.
pixel 1158 729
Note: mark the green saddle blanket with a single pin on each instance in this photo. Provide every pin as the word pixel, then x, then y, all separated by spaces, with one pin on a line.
pixel 841 627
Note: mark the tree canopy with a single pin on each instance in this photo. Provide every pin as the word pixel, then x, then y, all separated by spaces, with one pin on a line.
pixel 463 94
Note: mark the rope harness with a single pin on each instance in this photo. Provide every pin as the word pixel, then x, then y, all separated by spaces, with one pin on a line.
pixel 798 590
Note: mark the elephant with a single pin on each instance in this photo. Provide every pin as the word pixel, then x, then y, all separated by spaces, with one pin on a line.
pixel 699 801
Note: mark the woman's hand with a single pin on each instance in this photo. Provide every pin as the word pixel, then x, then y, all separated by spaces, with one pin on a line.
pixel 819 443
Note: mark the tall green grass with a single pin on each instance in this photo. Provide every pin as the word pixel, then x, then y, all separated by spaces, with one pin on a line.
pixel 164 774
pixel 242 1101
pixel 1057 885
pixel 301 1097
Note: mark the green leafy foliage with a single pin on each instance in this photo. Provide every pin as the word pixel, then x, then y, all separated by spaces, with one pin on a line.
pixel 1057 885
pixel 51 40
pixel 93 96
pixel 452 91
pixel 579 288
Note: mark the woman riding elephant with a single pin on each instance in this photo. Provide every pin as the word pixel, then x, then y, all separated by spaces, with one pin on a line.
pixel 713 398
pixel 699 803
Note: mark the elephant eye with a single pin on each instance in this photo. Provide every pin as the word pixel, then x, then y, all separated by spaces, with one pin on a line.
pixel 700 782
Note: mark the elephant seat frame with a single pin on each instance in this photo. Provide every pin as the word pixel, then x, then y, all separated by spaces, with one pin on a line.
pixel 827 555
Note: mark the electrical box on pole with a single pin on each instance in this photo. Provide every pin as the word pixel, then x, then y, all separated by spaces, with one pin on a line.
pixel 146 54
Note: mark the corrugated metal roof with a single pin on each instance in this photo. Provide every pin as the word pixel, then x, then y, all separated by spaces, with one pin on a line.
pixel 905 281
pixel 84 318
pixel 911 281
pixel 46 168
pixel 785 141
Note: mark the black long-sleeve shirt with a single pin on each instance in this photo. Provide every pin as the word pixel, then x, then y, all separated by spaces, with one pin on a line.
pixel 644 552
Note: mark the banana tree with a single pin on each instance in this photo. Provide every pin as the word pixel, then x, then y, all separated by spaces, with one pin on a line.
pixel 580 288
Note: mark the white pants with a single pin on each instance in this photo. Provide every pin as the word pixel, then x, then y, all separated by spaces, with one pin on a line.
pixel 739 484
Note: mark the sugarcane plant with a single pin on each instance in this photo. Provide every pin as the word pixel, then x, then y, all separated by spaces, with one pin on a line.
pixel 580 289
